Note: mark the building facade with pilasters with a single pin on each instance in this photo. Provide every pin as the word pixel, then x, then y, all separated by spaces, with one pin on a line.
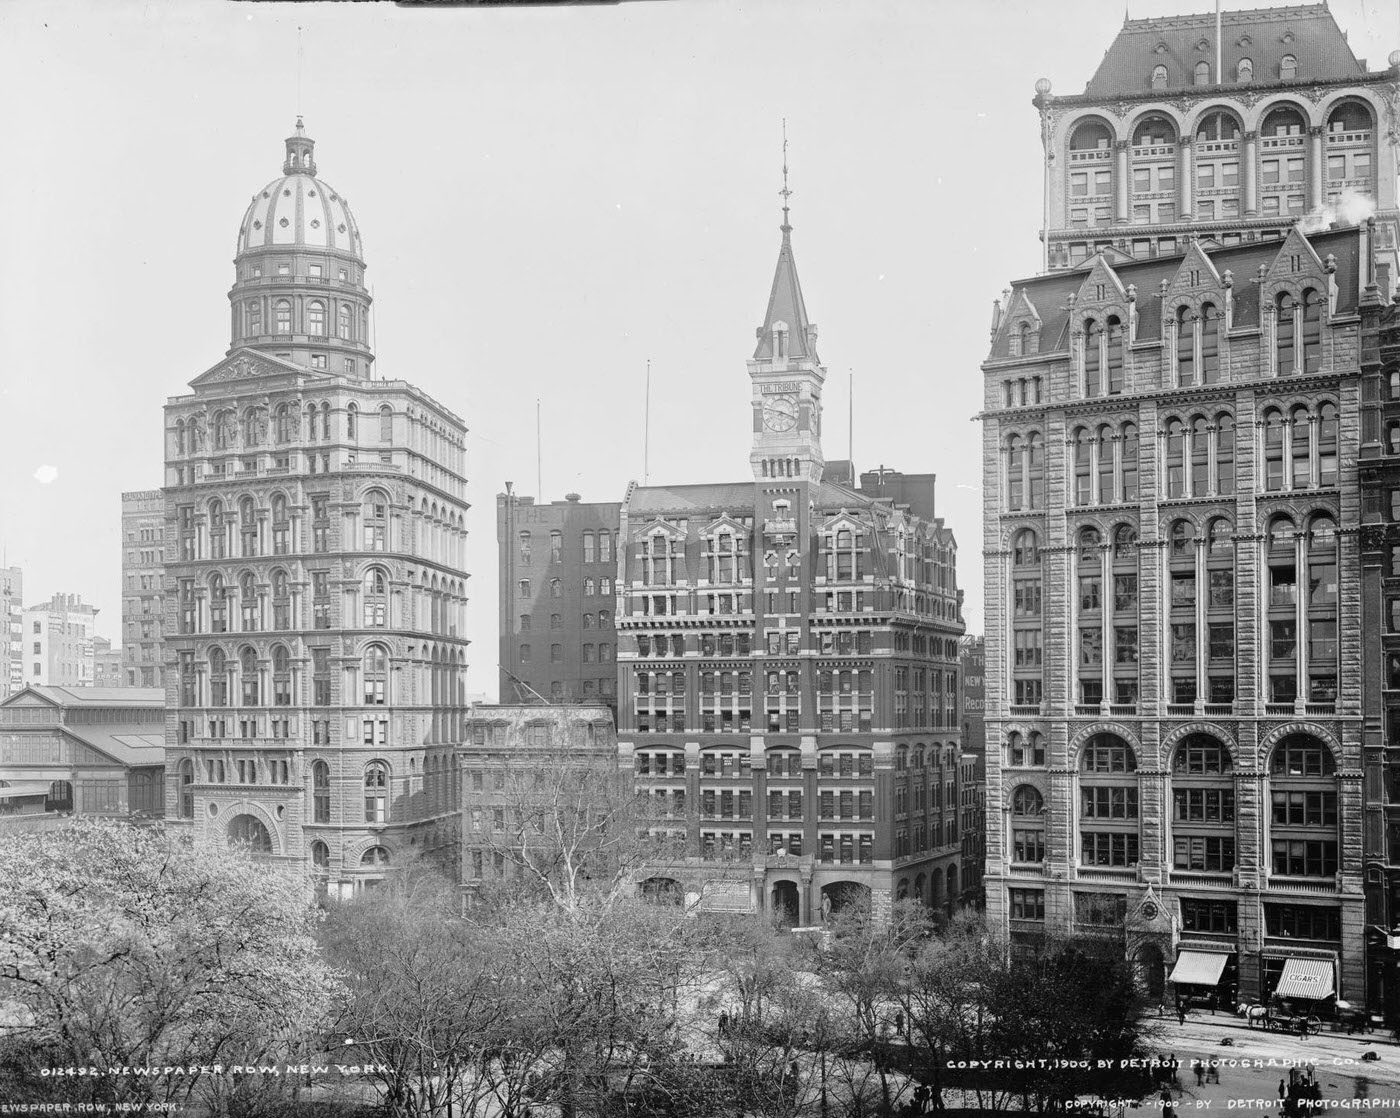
pixel 788 669
pixel 315 589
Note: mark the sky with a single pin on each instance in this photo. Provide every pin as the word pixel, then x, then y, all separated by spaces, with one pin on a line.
pixel 549 198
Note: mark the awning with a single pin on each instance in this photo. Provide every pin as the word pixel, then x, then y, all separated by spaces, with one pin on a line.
pixel 1305 978
pixel 1198 968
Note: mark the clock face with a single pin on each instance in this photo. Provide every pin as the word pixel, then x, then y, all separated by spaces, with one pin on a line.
pixel 780 413
pixel 1149 911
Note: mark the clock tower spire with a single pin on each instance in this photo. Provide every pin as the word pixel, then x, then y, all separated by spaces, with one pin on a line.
pixel 786 374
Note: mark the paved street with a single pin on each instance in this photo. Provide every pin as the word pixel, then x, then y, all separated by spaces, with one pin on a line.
pixel 1243 1089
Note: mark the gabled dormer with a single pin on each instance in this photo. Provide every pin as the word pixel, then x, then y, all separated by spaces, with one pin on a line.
pixel 1022 325
pixel 1298 296
pixel 1101 319
pixel 1196 312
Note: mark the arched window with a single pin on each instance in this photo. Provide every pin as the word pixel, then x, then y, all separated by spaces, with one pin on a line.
pixel 223 430
pixel 524 587
pixel 1129 461
pixel 1283 121
pixel 1300 432
pixel 252 320
pixel 1203 807
pixel 1154 131
pixel 376 591
pixel 346 321
pixel 1028 825
pixel 248 602
pixel 248 528
pixel 1274 432
pixel 376 792
pixel 248 676
pixel 352 413
pixel 1203 73
pixel 1210 343
pixel 186 791
pixel 1159 77
pixel 1287 68
pixel 1015 472
pixel 1322 589
pixel 218 678
pixel 1224 455
pixel 1282 611
pixel 1028 750
pixel 376 520
pixel 375 856
pixel 282 316
pixel 1093 366
pixel 1200 456
pixel 1035 470
pixel 1185 347
pixel 1108 803
pixel 1244 70
pixel 1103 450
pixel 1091 135
pixel 320 858
pixel 249 831
pixel 1327 444
pixel 1176 458
pixel 386 424
pixel 218 604
pixel 284 424
pixel 281 601
pixel 1083 467
pixel 1218 127
pixel 376 675
pixel 325 420
pixel 281 677
pixel 1310 332
pixel 1304 816
pixel 556 588
pixel 320 792
pixel 316 317
pixel 1113 355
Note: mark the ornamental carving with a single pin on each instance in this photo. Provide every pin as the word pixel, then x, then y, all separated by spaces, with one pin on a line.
pixel 241 368
pixel 1315 94
pixel 1372 538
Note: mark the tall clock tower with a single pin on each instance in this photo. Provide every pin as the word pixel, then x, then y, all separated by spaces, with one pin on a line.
pixel 787 381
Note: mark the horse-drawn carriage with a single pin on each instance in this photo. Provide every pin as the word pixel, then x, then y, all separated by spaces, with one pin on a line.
pixel 1280 1016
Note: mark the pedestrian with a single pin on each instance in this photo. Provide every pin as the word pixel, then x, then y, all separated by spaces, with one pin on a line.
pixel 899 1022
pixel 1303 1028
pixel 1213 1072
pixel 1282 1094
pixel 1181 1014
pixel 723 1022
pixel 1200 1070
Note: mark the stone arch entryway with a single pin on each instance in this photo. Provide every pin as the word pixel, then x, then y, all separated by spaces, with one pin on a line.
pixel 785 903
pixel 662 890
pixel 840 895
pixel 1150 971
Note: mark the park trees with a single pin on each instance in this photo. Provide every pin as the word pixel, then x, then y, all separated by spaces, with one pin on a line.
pixel 130 948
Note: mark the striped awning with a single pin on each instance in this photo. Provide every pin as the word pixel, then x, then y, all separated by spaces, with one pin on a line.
pixel 1198 968
pixel 1305 978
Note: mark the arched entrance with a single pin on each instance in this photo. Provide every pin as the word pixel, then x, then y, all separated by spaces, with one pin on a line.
pixel 1150 971
pixel 662 890
pixel 842 895
pixel 786 907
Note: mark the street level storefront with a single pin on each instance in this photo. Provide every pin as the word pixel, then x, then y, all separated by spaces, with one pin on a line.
pixel 1208 977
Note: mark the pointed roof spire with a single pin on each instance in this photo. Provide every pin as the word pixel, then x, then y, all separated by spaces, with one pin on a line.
pixel 785 304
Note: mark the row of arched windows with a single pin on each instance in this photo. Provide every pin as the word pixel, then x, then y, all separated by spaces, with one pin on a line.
pixel 231 430
pixel 316 320
pixel 1200 829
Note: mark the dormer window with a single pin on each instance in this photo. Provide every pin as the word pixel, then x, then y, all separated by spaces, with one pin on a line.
pixel 780 341
pixel 1159 77
pixel 1287 68
pixel 1203 73
pixel 1244 71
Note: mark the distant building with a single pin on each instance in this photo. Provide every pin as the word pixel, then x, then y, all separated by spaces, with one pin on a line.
pixel 974 767
pixel 557 568
pixel 107 669
pixel 788 650
pixel 58 642
pixel 143 594
pixel 11 630
pixel 83 751
pixel 500 744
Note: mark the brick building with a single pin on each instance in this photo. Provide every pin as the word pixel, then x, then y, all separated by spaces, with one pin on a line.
pixel 788 659
pixel 315 537
pixel 143 589
pixel 1172 426
pixel 556 595
pixel 108 669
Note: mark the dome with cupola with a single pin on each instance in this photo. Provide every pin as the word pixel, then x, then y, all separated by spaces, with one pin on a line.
pixel 298 210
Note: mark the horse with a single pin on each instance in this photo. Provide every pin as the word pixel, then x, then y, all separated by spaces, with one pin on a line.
pixel 1253 1014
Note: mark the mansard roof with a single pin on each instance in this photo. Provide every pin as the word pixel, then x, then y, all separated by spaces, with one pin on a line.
pixel 1308 32
pixel 1051 293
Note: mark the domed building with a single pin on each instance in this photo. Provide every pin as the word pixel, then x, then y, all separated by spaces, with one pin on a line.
pixel 315 550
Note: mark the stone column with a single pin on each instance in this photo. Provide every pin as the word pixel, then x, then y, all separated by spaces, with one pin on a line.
pixel 1250 170
pixel 1120 182
pixel 1315 195
pixel 1185 189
